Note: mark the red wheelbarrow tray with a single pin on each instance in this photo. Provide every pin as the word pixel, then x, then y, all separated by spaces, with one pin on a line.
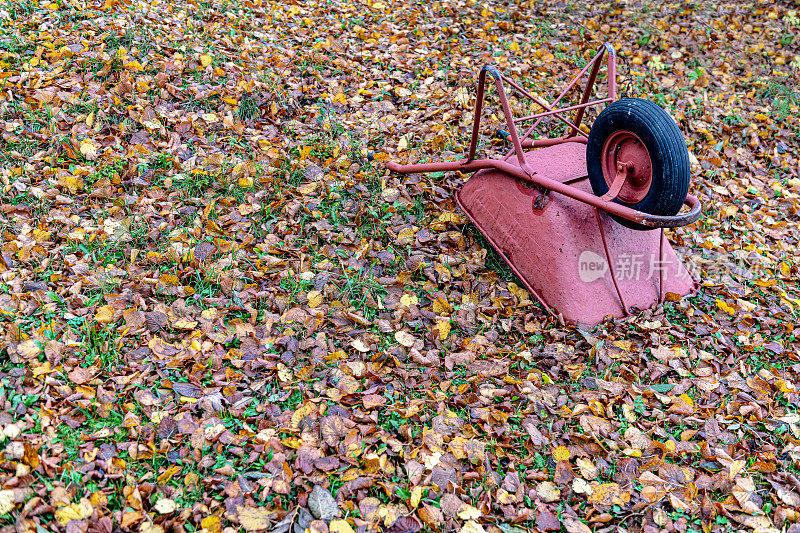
pixel 534 231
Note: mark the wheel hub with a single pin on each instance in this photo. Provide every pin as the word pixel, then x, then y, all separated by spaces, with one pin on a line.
pixel 626 148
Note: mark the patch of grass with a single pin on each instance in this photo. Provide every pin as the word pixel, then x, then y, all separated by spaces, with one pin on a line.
pixel 781 96
pixel 248 109
pixel 101 346
pixel 19 9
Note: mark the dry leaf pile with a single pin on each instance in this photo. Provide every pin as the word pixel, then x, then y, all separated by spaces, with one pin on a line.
pixel 221 313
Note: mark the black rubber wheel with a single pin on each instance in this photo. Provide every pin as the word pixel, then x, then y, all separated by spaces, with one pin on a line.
pixel 630 126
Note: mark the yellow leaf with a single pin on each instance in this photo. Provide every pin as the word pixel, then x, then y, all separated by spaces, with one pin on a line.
pixel 28 349
pixel 416 496
pixel 548 491
pixel 149 527
pixel 409 300
pixel 303 411
pixel 441 306
pixel 504 497
pixel 212 524
pixel 184 323
pixel 514 47
pixel 587 468
pixel 340 526
pixel 359 345
pixel 73 183
pixel 442 327
pixel 284 374
pixel 164 478
pixel 406 235
pixel 305 151
pixel 462 96
pixel 468 512
pixel 75 511
pixel 735 468
pixel 205 60
pixel 292 442
pixel 561 454
pixel 453 218
pixel 245 182
pixel 90 119
pixel 471 526
pixel 609 494
pixel 724 306
pixel 104 314
pixel 133 65
pixel 89 149
pixel 686 399
pixel 632 452
pixel 308 188
pixel 166 506
pixel 169 279
pixel 153 124
pixel 314 299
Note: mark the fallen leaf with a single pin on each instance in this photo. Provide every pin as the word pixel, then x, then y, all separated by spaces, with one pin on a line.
pixel 165 506
pixel 255 518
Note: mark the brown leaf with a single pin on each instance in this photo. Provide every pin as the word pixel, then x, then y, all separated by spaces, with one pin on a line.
pixel 189 390
pixel 333 430
pixel 547 521
pixel 432 516
pixel 573 525
pixel 80 375
pixel 372 400
pixel 204 250
pixel 156 320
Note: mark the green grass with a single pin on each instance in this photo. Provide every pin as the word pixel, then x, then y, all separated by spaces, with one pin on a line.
pixel 248 109
pixel 781 96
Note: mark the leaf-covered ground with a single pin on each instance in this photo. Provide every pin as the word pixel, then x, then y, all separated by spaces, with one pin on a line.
pixel 215 297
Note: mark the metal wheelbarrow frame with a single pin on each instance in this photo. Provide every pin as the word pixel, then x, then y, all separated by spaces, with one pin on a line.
pixel 519 168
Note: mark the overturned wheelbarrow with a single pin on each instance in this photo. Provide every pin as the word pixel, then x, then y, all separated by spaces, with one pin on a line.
pixel 596 248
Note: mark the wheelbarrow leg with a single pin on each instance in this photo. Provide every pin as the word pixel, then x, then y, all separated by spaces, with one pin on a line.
pixel 512 127
pixel 477 123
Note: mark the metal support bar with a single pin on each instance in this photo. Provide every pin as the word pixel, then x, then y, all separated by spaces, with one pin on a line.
pixel 640 217
pixel 562 109
pixel 587 92
pixel 610 266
